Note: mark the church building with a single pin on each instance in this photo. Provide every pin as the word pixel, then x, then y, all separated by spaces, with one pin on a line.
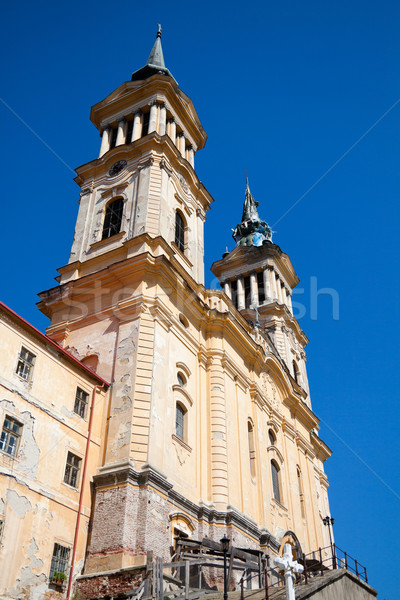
pixel 165 409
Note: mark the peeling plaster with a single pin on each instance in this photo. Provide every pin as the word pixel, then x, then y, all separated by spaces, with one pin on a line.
pixel 123 436
pixel 126 348
pixel 19 504
pixel 31 585
pixel 29 451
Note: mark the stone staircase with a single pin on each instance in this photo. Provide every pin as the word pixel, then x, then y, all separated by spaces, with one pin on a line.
pixel 333 585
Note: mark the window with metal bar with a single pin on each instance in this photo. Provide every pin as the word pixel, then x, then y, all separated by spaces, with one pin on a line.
pixel 179 231
pixel 26 360
pixel 180 422
pixel 59 560
pixel 72 468
pixel 10 436
pixel 275 481
pixel 81 402
pixel 113 218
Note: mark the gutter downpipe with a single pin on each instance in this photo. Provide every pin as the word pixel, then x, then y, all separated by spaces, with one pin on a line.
pixel 78 518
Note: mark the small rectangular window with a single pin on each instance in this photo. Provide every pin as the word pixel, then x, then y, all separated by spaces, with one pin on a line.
pixel 59 561
pixel 72 468
pixel 10 436
pixel 81 402
pixel 25 364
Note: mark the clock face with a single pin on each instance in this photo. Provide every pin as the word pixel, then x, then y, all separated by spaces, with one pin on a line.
pixel 117 168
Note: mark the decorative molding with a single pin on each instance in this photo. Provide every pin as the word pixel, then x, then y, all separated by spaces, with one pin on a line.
pixel 184 368
pixel 201 214
pixel 181 390
pixel 107 241
pixel 183 450
pixel 274 450
pixel 161 315
pixel 175 516
pixel 167 169
pixel 147 163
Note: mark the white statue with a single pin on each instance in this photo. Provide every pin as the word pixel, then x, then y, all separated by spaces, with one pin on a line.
pixel 290 567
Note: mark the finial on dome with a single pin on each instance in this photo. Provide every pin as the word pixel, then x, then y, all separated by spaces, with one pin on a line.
pixel 155 64
pixel 252 231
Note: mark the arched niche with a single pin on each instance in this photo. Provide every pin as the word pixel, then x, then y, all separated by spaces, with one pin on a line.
pixel 289 537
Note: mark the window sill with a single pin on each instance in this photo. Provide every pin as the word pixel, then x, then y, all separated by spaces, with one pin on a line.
pixel 106 241
pixel 84 419
pixel 278 504
pixel 70 487
pixel 181 442
pixel 27 381
pixel 4 454
pixel 181 255
pixel 60 587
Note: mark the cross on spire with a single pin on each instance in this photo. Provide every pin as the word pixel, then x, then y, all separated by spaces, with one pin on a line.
pixel 291 567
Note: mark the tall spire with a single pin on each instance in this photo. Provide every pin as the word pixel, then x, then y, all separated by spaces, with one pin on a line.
pixel 251 231
pixel 250 205
pixel 155 63
pixel 156 57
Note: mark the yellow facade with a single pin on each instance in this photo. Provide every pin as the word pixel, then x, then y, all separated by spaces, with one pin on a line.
pixel 208 426
pixel 38 509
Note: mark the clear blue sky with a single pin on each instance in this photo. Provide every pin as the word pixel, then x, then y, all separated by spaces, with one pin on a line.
pixel 283 90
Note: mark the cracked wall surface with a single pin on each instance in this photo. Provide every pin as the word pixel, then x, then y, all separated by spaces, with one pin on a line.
pixel 38 509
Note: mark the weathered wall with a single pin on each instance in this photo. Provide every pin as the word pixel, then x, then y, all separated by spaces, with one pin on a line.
pixel 38 509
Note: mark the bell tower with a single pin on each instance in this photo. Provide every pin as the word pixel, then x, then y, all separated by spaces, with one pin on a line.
pixel 143 181
pixel 259 279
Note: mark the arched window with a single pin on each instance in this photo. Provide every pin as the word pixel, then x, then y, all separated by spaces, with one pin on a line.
pixel 180 231
pixel 275 481
pixel 301 492
pixel 296 372
pixel 252 452
pixel 181 379
pixel 180 429
pixel 272 438
pixel 113 218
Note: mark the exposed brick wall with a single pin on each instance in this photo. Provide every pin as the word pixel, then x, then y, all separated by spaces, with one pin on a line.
pixel 133 520
pixel 90 588
pixel 115 519
pixel 153 531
